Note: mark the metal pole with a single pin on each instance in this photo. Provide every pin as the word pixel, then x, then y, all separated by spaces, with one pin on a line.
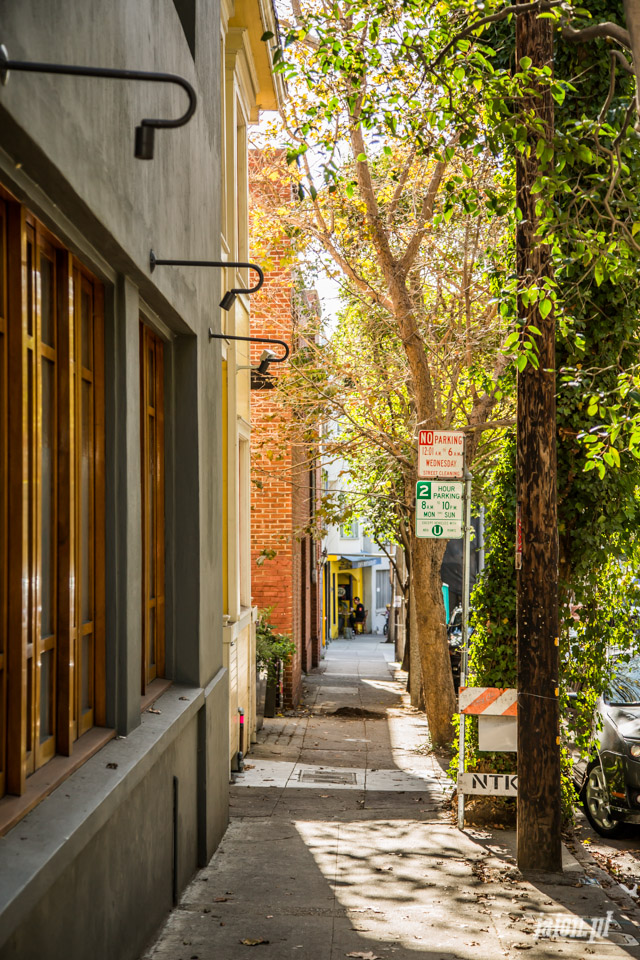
pixel 466 563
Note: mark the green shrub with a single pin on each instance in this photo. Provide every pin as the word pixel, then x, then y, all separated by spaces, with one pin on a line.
pixel 272 648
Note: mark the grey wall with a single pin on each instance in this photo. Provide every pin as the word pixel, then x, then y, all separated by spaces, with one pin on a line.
pixel 90 871
pixel 66 152
pixel 73 138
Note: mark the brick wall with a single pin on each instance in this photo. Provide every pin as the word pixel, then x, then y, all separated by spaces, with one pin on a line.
pixel 281 504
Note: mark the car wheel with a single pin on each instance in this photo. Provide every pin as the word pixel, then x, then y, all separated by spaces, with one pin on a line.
pixel 595 800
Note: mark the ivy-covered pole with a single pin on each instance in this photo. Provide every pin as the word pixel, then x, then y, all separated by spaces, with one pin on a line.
pixel 539 817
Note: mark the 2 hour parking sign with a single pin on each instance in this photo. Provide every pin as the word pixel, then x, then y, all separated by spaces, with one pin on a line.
pixel 439 513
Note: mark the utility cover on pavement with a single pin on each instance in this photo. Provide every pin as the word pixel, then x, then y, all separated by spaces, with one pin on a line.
pixel 439 511
pixel 441 453
pixel 489 784
pixel 326 776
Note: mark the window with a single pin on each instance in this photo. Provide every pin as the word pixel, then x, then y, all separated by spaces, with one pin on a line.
pixel 349 530
pixel 152 459
pixel 51 498
pixel 383 589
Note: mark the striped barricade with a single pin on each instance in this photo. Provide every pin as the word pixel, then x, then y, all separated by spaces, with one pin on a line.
pixel 489 701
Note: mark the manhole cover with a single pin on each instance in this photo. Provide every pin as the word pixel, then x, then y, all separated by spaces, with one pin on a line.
pixel 326 776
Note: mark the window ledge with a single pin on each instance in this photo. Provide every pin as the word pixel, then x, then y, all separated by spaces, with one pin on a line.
pixel 45 780
pixel 33 855
pixel 233 628
pixel 154 691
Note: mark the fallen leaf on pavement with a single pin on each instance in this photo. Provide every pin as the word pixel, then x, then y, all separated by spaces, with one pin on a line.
pixel 364 956
pixel 253 943
pixel 220 899
pixel 152 710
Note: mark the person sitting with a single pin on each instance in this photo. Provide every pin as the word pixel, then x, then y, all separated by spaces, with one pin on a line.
pixel 359 615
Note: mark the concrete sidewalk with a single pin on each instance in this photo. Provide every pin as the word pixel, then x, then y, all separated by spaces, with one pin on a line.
pixel 342 844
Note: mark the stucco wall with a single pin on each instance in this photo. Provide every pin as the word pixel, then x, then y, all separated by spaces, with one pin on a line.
pixel 66 152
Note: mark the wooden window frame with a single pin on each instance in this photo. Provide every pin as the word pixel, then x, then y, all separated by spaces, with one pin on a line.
pixel 28 244
pixel 153 506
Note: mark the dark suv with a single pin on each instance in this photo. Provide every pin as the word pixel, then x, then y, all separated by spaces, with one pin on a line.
pixel 609 786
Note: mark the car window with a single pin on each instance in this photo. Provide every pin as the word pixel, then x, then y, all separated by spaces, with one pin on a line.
pixel 624 687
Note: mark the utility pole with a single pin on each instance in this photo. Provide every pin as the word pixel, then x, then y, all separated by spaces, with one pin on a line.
pixel 539 844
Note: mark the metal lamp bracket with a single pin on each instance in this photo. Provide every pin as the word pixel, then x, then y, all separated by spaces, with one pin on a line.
pixel 227 301
pixel 145 131
pixel 260 380
pixel 228 336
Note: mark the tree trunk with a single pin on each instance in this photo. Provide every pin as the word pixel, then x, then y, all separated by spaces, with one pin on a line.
pixel 539 818
pixel 431 636
pixel 632 18
pixel 406 664
pixel 416 688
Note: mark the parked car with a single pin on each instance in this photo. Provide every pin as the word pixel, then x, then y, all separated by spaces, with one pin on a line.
pixel 609 785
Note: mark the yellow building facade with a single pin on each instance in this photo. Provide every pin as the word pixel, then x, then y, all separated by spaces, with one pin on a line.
pixel 248 86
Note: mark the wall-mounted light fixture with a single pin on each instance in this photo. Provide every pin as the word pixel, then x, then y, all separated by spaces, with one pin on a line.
pixel 260 377
pixel 228 300
pixel 145 132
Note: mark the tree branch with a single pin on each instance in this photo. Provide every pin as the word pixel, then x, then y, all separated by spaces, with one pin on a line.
pixel 597 31
pixel 542 6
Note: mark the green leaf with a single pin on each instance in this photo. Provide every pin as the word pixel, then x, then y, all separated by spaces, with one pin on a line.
pixel 267 35
pixel 545 308
pixel 524 63
pixel 361 158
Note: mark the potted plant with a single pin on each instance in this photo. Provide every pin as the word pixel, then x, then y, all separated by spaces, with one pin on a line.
pixel 273 652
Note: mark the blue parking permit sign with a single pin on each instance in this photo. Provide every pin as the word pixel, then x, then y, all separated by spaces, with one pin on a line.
pixel 439 509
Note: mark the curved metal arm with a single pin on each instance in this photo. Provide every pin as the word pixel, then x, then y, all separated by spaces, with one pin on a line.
pixel 146 129
pixel 226 336
pixel 155 262
pixel 227 301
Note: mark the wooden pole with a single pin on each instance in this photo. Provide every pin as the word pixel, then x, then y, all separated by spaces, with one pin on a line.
pixel 539 821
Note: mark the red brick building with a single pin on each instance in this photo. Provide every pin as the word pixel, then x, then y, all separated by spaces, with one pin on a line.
pixel 285 568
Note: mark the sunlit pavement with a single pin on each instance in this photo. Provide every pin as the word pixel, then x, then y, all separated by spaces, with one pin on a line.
pixel 341 844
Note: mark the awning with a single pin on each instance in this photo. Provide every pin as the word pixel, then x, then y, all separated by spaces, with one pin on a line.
pixel 358 560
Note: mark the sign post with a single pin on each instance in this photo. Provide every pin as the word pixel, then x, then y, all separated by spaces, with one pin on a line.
pixel 466 561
